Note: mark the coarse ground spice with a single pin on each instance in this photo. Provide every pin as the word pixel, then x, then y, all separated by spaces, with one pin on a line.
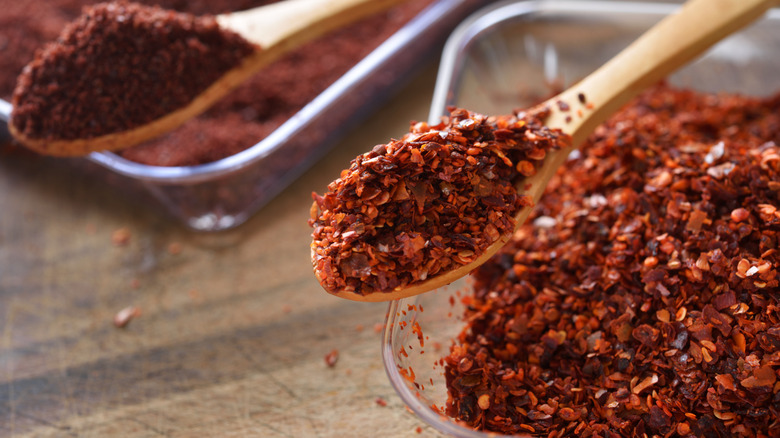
pixel 641 298
pixel 425 204
pixel 119 66
pixel 242 118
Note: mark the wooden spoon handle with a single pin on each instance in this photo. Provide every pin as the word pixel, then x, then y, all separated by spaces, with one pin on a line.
pixel 293 22
pixel 670 44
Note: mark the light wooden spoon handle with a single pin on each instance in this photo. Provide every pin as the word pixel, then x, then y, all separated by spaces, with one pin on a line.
pixel 292 22
pixel 670 44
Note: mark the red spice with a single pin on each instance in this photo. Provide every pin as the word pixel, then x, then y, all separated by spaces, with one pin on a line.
pixel 242 118
pixel 380 401
pixel 425 204
pixel 174 248
pixel 121 236
pixel 118 66
pixel 635 302
pixel 331 358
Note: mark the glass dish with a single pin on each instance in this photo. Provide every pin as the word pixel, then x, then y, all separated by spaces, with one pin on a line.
pixel 508 56
pixel 225 193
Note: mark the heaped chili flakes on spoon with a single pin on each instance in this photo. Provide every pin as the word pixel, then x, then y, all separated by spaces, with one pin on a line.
pixel 425 204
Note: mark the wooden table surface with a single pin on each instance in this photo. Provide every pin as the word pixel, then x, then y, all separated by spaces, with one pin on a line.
pixel 233 328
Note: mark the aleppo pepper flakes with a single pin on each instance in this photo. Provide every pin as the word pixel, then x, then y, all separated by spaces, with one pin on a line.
pixel 126 64
pixel 641 298
pixel 427 203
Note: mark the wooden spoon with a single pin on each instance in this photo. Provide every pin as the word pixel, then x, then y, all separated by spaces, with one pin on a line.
pixel 275 29
pixel 665 47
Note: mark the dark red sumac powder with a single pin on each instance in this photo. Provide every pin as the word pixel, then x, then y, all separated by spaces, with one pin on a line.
pixel 246 115
pixel 427 203
pixel 118 66
pixel 641 298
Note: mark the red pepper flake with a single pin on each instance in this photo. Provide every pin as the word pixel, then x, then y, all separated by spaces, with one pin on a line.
pixel 331 358
pixel 648 306
pixel 380 401
pixel 120 236
pixel 407 373
pixel 124 316
pixel 762 377
pixel 430 202
pixel 174 248
pixel 696 220
pixel 417 330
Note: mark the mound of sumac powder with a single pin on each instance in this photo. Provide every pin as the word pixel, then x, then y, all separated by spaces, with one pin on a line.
pixel 641 298
pixel 246 115
pixel 427 203
pixel 119 66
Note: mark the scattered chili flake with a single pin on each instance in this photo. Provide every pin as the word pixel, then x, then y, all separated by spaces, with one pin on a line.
pixel 119 66
pixel 174 248
pixel 647 305
pixel 425 204
pixel 120 236
pixel 124 316
pixel 380 401
pixel 331 358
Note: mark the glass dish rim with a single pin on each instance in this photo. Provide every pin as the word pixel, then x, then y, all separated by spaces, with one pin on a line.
pixel 487 17
pixel 255 153
pixel 452 55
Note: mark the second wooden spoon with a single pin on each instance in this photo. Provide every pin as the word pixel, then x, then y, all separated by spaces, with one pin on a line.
pixel 273 29
pixel 667 46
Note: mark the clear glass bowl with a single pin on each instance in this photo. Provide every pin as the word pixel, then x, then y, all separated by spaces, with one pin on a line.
pixel 508 56
pixel 225 193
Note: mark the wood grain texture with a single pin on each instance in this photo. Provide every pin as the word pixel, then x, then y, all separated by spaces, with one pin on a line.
pixel 234 327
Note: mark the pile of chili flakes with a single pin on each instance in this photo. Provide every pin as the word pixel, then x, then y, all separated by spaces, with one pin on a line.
pixel 432 201
pixel 641 298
